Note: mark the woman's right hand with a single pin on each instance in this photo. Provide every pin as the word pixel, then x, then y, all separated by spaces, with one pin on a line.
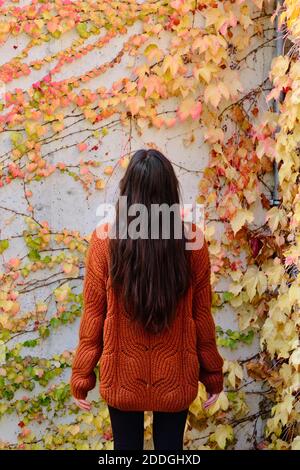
pixel 211 399
pixel 83 404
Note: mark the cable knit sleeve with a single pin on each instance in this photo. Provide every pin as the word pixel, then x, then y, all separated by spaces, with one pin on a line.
pixel 210 361
pixel 83 377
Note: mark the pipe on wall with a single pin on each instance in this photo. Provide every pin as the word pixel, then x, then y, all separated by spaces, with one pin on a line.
pixel 275 201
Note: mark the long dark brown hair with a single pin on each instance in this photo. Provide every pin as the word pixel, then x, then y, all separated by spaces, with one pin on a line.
pixel 151 274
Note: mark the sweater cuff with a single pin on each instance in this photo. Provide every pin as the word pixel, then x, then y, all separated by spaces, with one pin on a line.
pixel 80 386
pixel 213 381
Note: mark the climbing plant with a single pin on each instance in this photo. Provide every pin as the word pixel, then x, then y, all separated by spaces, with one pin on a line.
pixel 184 65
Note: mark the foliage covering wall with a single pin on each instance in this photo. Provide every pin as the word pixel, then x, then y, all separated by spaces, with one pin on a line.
pixel 186 67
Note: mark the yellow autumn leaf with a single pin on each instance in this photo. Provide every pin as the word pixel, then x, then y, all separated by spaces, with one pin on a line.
pixel 97 445
pixel 214 16
pixel 222 403
pixel 286 373
pixel 196 406
pixel 297 212
pixel 189 108
pixel 135 103
pixel 100 184
pixel 4 28
pixel 235 288
pixel 224 90
pixel 296 443
pixel 293 294
pixel 279 66
pixel 213 135
pixel 48 439
pixel 273 217
pixel 7 305
pixel 295 357
pixel 62 293
pixel 250 281
pixel 232 83
pixel 254 280
pixel 236 275
pixel 247 315
pixel 109 445
pixel 240 218
pixel 90 114
pixel 153 52
pixel 274 272
pixel 82 446
pixel 282 410
pixel 212 95
pixel 206 72
pixel 87 418
pixel 222 435
pixel 2 352
pixel 57 126
pixel 96 134
pixel 235 372
pixel 31 127
pixel 98 422
pixel 171 64
pixel 5 321
pixel 74 429
pixel 262 283
pixel 199 44
pixel 286 169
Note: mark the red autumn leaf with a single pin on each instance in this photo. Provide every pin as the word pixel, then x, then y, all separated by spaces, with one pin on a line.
pixel 255 245
pixel 82 146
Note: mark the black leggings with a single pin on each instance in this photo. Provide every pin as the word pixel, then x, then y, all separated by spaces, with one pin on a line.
pixel 128 429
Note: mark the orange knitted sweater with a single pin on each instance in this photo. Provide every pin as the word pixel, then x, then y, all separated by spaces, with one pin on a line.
pixel 139 370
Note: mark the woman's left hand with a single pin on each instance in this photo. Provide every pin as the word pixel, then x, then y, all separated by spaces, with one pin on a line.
pixel 83 404
pixel 211 400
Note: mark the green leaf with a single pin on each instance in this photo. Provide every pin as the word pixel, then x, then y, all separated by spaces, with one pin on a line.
pixel 82 30
pixel 249 337
pixel 44 331
pixel 37 95
pixel 55 322
pixel 34 255
pixel 4 244
pixel 25 272
pixel 231 395
pixel 227 296
pixel 16 138
pixel 8 394
pixel 30 343
pixel 22 148
pixel 65 317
